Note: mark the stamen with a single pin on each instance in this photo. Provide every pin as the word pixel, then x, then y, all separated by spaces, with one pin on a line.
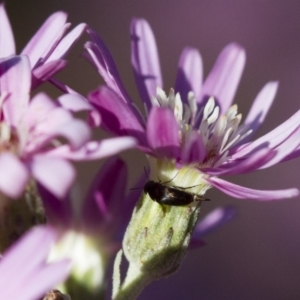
pixel 208 107
pixel 161 97
pixel 155 102
pixel 236 138
pixel 178 107
pixel 214 116
pixel 225 139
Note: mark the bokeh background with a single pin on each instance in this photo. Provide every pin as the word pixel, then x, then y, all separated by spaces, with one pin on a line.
pixel 256 256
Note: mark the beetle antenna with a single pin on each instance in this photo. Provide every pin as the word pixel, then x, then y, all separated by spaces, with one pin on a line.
pixel 170 180
pixel 147 176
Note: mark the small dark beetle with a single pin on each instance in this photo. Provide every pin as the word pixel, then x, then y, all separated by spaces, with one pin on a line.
pixel 170 195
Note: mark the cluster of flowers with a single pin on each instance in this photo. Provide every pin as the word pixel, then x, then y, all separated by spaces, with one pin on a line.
pixel 195 126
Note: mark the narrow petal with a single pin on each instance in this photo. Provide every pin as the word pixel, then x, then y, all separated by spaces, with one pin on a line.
pixel 43 280
pixel 94 150
pixel 162 132
pixel 214 220
pixel 255 161
pixel 223 80
pixel 14 175
pixel 271 139
pixel 74 102
pixel 100 57
pixel 260 107
pixel 194 149
pixel 45 37
pixel 7 42
pixel 294 154
pixel 145 60
pixel 62 86
pixel 241 192
pixel 46 71
pixel 117 116
pixel 67 42
pixel 40 237
pixel 189 74
pixel 285 149
pixel 54 174
pixel 15 81
pixel 105 200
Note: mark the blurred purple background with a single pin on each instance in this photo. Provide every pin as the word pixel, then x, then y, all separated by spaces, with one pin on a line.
pixel 257 255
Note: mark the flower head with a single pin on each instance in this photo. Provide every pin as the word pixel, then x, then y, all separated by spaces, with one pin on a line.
pixel 29 129
pixel 194 129
pixel 46 49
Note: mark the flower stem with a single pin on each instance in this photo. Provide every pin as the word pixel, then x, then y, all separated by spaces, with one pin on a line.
pixel 133 284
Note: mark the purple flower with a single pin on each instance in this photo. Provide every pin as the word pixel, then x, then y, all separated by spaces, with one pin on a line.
pixel 47 47
pixel 30 131
pixel 92 227
pixel 24 271
pixel 195 126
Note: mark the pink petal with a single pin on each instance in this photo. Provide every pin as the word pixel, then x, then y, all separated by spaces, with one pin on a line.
pixel 271 139
pixel 74 102
pixel 285 149
pixel 34 278
pixel 43 280
pixel 46 71
pixel 261 106
pixel 99 55
pixel 13 175
pixel 54 174
pixel 60 122
pixel 94 150
pixel 255 161
pixel 223 79
pixel 62 86
pixel 214 220
pixel 75 131
pixel 145 60
pixel 40 237
pixel 189 74
pixel 194 149
pixel 47 36
pixel 39 108
pixel 67 42
pixel 15 80
pixel 241 192
pixel 7 42
pixel 110 105
pixel 162 132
